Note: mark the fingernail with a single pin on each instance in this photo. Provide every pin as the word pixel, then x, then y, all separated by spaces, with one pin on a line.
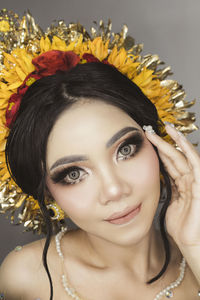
pixel 149 129
pixel 168 123
pixel 181 134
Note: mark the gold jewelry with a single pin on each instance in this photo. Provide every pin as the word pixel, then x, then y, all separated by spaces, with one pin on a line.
pixel 22 42
pixel 56 212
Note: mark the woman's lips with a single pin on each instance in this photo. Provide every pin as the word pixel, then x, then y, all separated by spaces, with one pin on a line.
pixel 125 217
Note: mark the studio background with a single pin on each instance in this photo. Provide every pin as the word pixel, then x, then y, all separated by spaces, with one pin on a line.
pixel 165 27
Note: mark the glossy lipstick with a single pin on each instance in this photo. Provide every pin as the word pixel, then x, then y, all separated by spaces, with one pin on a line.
pixel 124 217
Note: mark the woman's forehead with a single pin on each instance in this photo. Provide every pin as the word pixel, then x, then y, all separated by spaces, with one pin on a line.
pixel 82 126
pixel 91 118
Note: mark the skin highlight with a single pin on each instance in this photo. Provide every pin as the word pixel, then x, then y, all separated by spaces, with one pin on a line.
pixel 110 184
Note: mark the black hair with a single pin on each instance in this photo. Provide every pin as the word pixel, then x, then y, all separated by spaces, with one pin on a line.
pixel 42 105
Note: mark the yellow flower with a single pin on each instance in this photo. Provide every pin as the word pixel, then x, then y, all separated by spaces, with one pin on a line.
pixel 144 78
pixel 4 26
pixel 58 44
pixel 96 47
pixel 158 95
pixel 18 64
pixel 45 45
pixel 123 62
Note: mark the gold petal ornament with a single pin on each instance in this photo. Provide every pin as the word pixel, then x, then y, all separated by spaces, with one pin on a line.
pixel 22 40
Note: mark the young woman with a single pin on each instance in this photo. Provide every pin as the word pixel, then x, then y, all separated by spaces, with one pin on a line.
pixel 89 139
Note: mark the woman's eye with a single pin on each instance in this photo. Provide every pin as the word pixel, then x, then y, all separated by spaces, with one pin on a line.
pixel 126 151
pixel 71 175
pixel 130 147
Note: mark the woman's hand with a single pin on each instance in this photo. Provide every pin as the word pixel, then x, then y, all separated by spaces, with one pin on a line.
pixel 183 213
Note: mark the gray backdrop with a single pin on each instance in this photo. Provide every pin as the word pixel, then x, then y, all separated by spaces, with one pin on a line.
pixel 169 28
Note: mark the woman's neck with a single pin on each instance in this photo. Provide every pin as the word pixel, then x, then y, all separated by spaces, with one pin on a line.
pixel 144 259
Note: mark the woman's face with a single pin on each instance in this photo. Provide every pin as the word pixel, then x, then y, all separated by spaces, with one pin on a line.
pixel 99 162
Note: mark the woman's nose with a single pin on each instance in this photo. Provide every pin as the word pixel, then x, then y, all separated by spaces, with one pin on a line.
pixel 114 187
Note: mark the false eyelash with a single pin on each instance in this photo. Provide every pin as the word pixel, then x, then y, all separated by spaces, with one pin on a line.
pixel 135 139
pixel 58 177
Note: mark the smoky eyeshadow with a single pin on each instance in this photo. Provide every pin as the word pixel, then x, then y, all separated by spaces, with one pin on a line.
pixel 60 174
pixel 136 138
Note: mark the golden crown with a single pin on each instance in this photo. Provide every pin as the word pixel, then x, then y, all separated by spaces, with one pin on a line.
pixel 22 43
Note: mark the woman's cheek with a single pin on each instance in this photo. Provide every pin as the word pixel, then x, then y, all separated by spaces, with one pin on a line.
pixel 143 171
pixel 73 199
pixel 150 170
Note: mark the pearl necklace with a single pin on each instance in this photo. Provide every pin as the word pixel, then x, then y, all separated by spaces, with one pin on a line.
pixel 73 294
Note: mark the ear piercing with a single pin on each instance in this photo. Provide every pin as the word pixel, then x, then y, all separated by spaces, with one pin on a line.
pixel 56 213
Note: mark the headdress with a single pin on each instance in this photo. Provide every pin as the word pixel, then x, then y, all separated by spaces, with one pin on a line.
pixel 27 54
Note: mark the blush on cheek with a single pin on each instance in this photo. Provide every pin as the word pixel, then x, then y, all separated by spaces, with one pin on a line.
pixel 145 171
pixel 72 199
pixel 151 166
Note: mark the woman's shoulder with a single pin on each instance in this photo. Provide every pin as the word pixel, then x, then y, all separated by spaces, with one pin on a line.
pixel 22 254
pixel 22 272
pixel 17 272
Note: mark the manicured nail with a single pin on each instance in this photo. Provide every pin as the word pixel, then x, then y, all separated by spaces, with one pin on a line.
pixel 149 129
pixel 181 134
pixel 168 123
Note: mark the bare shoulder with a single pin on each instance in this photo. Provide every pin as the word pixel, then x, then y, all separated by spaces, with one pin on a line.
pixel 22 273
pixel 18 269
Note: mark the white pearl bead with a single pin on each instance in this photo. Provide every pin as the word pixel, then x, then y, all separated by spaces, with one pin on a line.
pixel 173 284
pixel 72 293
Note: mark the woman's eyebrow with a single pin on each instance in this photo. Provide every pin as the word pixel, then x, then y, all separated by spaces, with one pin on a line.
pixel 75 158
pixel 119 134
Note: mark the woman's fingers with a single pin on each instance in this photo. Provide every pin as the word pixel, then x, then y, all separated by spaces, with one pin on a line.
pixel 169 165
pixel 188 149
pixel 170 153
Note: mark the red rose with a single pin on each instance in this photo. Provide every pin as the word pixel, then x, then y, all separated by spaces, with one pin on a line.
pixel 51 61
pixel 27 82
pixel 12 109
pixel 45 64
pixel 15 100
pixel 92 58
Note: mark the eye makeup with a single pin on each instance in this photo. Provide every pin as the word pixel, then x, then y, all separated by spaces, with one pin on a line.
pixel 135 140
pixel 62 175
